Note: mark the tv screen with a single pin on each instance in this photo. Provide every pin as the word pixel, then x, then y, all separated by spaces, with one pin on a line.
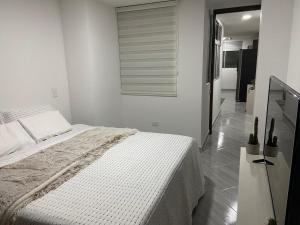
pixel 280 146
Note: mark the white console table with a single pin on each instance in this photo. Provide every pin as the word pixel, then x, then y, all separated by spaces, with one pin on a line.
pixel 254 198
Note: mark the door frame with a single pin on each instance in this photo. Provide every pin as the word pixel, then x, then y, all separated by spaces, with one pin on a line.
pixel 212 51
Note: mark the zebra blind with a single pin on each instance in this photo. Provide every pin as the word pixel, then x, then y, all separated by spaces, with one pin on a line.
pixel 148 49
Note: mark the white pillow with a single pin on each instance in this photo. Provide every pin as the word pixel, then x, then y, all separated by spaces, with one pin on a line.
pixel 13 137
pixel 10 115
pixel 45 125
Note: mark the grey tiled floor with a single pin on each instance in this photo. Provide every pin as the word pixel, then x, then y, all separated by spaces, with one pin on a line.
pixel 220 159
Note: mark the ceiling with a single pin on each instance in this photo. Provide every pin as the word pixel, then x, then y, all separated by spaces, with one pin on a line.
pixel 235 26
pixel 232 22
pixel 215 3
pixel 118 3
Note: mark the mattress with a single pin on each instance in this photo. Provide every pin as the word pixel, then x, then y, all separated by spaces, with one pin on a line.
pixel 149 178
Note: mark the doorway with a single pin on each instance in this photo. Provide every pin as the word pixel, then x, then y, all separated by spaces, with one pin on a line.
pixel 233 57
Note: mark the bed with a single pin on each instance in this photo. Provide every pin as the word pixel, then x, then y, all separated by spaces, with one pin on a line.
pixel 147 178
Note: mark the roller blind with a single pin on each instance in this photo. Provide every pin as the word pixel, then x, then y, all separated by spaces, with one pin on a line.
pixel 148 49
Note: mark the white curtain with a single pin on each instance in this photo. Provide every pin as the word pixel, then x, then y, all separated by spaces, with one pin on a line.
pixel 148 49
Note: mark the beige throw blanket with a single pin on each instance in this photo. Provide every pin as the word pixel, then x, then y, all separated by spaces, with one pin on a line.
pixel 36 175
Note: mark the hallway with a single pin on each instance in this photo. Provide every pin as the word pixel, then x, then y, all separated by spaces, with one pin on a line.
pixel 221 164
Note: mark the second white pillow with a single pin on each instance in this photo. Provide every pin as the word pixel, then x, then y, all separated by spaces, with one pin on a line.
pixel 45 125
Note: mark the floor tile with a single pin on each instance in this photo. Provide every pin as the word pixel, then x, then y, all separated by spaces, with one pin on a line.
pixel 224 176
pixel 220 159
pixel 231 197
pixel 214 210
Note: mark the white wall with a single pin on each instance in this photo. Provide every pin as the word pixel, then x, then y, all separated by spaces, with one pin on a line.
pixel 273 51
pixel 106 64
pixel 247 43
pixel 91 40
pixel 228 78
pixel 229 75
pixel 293 77
pixel 232 45
pixel 32 58
pixel 182 114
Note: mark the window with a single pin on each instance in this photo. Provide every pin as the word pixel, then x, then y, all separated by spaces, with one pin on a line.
pixel 230 59
pixel 148 49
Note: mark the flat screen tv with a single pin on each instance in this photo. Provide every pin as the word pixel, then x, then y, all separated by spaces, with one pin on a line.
pixel 284 173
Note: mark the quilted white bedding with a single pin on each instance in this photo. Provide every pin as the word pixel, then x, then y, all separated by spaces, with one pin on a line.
pixel 150 178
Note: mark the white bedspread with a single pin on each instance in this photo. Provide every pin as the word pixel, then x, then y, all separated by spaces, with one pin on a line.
pixel 149 178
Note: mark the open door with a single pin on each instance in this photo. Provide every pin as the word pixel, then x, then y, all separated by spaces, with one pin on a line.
pixel 214 39
pixel 211 69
